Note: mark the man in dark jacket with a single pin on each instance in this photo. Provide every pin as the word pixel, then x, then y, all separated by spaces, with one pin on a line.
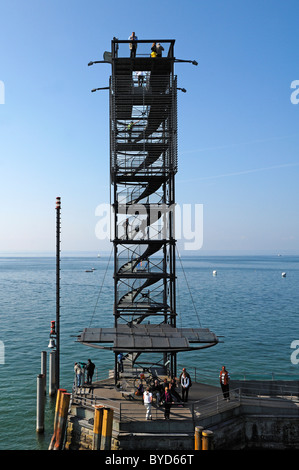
pixel 90 370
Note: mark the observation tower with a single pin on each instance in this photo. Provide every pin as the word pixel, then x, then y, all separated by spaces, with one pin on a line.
pixel 143 165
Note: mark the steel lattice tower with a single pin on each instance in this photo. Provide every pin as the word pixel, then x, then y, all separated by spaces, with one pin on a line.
pixel 143 164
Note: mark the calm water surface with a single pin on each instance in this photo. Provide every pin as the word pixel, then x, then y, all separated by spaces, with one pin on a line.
pixel 249 304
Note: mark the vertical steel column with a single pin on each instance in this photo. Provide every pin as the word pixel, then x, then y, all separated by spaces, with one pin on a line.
pixel 57 356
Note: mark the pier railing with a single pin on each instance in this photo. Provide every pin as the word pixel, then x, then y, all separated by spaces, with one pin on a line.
pixel 211 377
pixel 91 401
pixel 129 411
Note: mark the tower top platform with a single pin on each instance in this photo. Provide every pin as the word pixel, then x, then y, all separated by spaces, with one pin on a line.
pixel 124 62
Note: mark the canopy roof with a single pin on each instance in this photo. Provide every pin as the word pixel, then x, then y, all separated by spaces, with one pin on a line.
pixel 148 338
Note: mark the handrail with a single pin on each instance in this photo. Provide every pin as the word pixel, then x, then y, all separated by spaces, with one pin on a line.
pixel 212 376
pixel 144 41
pixel 198 409
pixel 166 42
pixel 276 391
pixel 92 402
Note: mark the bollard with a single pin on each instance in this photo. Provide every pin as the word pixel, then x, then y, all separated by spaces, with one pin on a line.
pixel 52 381
pixel 60 391
pixel 197 437
pixel 61 421
pixel 106 429
pixel 40 404
pixel 97 428
pixel 207 440
pixel 44 367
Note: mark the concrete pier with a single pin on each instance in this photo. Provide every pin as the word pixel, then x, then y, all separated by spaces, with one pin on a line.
pixel 243 422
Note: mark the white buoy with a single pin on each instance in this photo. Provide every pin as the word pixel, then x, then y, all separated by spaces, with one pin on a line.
pixel 214 273
pixel 283 274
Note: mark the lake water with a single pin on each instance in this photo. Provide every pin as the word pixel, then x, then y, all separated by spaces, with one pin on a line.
pixel 248 304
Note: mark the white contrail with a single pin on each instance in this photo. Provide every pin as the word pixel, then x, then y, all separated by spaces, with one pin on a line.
pixel 219 147
pixel 244 172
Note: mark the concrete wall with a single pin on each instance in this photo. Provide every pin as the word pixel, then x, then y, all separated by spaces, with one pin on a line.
pixel 272 432
pixel 79 431
pixel 79 435
pixel 256 424
pixel 248 426
pixel 257 432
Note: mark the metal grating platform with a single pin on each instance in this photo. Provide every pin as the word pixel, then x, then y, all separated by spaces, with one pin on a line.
pixel 148 338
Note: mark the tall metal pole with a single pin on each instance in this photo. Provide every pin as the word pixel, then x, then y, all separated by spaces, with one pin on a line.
pixel 57 357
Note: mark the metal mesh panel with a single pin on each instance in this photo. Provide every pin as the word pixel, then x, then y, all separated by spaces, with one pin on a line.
pixel 143 125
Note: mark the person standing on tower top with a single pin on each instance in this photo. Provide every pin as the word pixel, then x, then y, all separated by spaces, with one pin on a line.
pixel 133 45
pixel 159 49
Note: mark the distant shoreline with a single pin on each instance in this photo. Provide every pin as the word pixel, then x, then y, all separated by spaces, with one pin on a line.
pixel 185 254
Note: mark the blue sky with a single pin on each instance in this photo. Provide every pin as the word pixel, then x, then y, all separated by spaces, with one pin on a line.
pixel 238 129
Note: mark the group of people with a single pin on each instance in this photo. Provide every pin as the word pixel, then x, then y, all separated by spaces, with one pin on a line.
pixel 156 49
pixel 166 393
pixel 80 368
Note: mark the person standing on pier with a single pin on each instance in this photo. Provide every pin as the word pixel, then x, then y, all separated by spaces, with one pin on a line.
pixel 90 370
pixel 167 403
pixel 147 400
pixel 173 392
pixel 224 382
pixel 185 383
pixel 78 372
pixel 187 375
pixel 157 390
